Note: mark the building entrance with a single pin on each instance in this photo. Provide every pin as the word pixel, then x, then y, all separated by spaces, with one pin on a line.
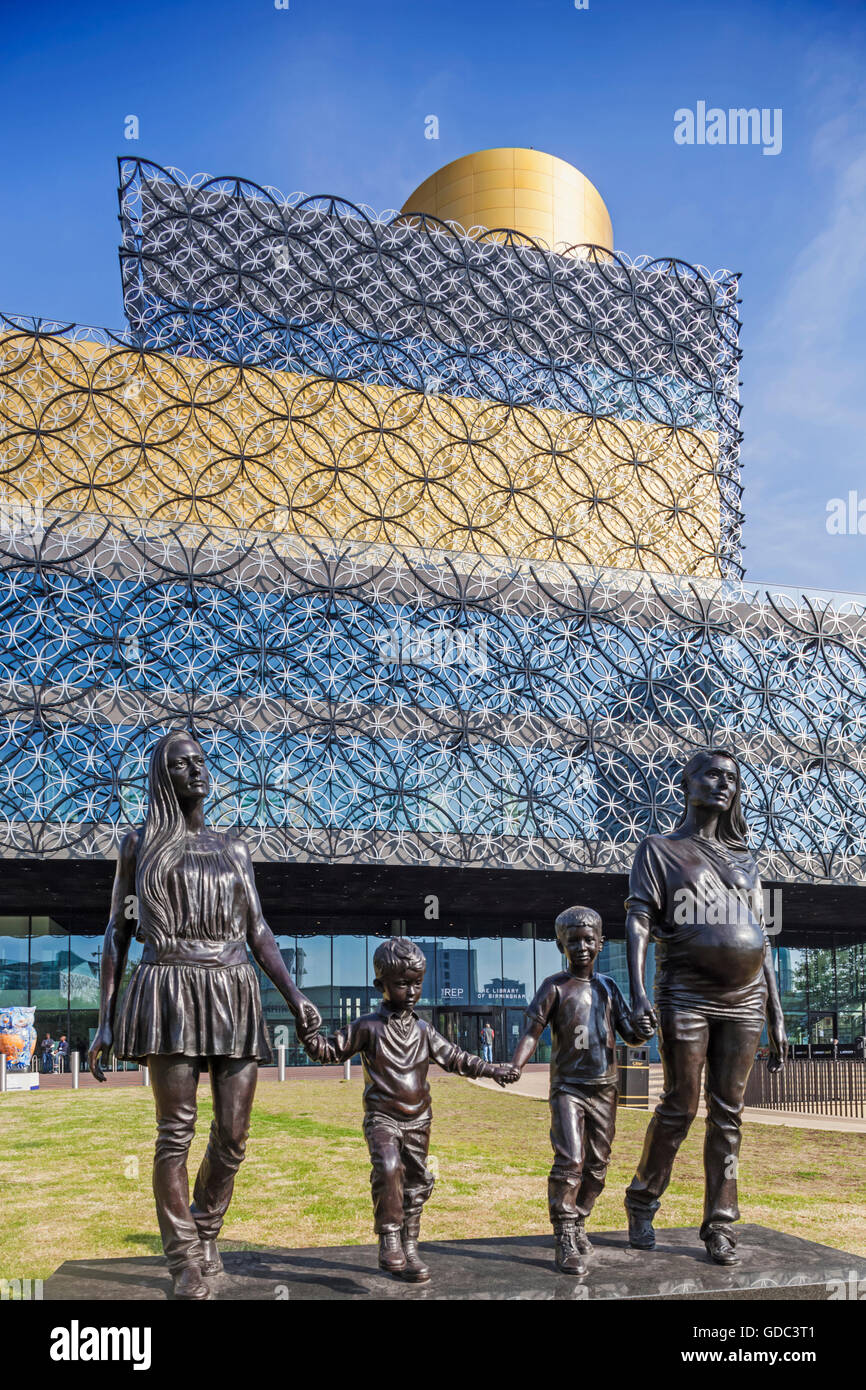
pixel 463 1026
pixel 823 1027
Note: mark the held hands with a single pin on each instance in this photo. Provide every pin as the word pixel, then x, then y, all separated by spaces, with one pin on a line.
pixel 505 1074
pixel 643 1025
pixel 308 1020
pixel 643 1016
pixel 101 1044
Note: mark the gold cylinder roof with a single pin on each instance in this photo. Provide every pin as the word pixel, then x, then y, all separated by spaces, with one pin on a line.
pixel 525 191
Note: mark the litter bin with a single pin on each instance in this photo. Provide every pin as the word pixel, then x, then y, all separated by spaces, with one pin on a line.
pixel 633 1076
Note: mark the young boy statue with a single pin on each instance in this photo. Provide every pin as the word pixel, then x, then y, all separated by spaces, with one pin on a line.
pixel 585 1012
pixel 396 1048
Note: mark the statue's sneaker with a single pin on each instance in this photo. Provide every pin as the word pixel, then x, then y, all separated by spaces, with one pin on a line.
pixel 641 1235
pixel 720 1248
pixel 188 1285
pixel 211 1258
pixel 568 1258
pixel 581 1239
pixel 391 1257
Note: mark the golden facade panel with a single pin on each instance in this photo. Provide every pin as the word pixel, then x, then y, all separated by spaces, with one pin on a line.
pixel 111 431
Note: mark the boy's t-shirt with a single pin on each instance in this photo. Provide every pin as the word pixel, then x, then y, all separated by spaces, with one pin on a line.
pixel 584 1016
pixel 396 1049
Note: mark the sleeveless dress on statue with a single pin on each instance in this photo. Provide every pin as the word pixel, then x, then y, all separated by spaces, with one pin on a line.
pixel 196 993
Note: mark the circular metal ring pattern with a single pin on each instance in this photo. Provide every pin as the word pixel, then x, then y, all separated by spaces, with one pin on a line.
pixel 446 385
pixel 433 539
pixel 359 702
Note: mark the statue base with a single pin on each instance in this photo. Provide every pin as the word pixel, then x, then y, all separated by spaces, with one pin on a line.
pixel 772 1266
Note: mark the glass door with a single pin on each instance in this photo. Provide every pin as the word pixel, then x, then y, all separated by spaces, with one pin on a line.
pixel 474 1023
pixel 465 1028
pixel 447 1022
pixel 823 1028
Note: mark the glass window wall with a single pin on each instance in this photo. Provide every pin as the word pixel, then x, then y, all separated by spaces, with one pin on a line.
pixel 469 980
pixel 14 960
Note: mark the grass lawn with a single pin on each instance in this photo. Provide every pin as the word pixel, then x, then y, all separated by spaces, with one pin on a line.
pixel 72 1187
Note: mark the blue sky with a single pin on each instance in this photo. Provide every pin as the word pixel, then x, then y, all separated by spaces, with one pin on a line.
pixel 331 96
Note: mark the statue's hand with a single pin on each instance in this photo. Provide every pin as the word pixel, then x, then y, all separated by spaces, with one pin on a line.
pixel 643 1025
pixel 308 1020
pixel 643 1013
pixel 101 1044
pixel 778 1044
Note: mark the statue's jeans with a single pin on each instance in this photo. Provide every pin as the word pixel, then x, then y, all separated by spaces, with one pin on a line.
pixel 582 1124
pixel 174 1079
pixel 688 1039
pixel 400 1181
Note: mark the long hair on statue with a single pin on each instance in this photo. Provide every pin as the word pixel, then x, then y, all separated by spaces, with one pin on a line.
pixel 162 841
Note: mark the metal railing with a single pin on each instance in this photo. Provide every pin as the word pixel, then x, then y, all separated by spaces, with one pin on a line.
pixel 816 1086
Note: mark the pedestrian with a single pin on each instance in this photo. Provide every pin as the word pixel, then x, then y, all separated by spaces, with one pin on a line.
pixel 48 1054
pixel 487 1037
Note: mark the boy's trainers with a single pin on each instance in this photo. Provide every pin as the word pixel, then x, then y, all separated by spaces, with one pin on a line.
pixel 188 1285
pixel 391 1257
pixel 211 1260
pixel 641 1235
pixel 416 1272
pixel 581 1239
pixel 720 1248
pixel 568 1258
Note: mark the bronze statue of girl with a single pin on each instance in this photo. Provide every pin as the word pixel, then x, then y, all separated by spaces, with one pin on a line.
pixel 193 1000
pixel 697 893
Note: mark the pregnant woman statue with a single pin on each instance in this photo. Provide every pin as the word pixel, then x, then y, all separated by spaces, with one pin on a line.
pixel 193 1001
pixel 696 892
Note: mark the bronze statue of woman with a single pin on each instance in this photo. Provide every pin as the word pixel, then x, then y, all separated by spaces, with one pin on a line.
pixel 697 893
pixel 193 1000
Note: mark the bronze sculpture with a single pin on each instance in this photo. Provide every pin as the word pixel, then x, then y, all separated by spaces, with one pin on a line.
pixel 697 893
pixel 396 1048
pixel 193 997
pixel 585 1011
